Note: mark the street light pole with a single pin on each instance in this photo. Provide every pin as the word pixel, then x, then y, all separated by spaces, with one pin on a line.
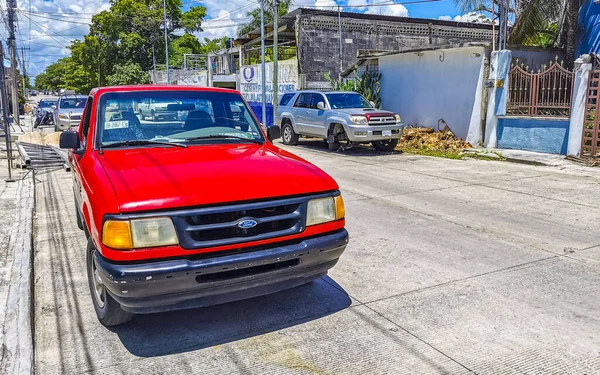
pixel 275 57
pixel 166 41
pixel 263 68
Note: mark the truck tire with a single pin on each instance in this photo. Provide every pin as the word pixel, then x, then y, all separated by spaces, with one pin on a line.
pixel 153 115
pixel 109 312
pixel 288 135
pixel 388 145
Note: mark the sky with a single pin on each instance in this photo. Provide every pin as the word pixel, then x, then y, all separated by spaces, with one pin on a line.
pixel 47 27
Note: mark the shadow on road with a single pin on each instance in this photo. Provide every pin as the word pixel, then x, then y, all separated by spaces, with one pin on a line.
pixel 187 330
pixel 359 150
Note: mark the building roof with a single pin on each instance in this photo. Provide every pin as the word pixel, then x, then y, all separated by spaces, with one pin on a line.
pixel 289 19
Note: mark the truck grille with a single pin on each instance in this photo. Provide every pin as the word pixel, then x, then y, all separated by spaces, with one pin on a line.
pixel 218 226
pixel 382 120
pixel 75 117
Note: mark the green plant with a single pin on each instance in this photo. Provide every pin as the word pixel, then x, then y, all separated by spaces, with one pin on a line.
pixel 368 85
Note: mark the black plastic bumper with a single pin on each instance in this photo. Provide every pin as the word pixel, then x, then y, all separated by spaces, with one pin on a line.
pixel 180 284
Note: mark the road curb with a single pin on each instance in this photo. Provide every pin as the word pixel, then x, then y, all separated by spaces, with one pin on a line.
pixel 17 346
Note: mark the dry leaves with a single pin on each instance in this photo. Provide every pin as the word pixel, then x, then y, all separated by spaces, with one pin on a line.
pixel 427 138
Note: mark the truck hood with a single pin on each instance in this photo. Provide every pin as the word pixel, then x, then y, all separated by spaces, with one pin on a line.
pixel 146 179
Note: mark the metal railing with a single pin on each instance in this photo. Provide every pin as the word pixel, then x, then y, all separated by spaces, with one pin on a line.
pixel 545 93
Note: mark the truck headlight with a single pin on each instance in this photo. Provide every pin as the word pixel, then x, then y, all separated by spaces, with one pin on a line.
pixel 398 119
pixel 359 120
pixel 63 117
pixel 324 210
pixel 139 233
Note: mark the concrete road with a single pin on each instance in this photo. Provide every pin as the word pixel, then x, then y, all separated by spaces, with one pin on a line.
pixel 453 267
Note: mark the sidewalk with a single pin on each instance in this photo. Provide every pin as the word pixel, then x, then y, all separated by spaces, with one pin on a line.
pixel 542 159
pixel 16 208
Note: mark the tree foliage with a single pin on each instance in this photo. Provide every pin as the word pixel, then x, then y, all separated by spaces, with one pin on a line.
pixel 535 21
pixel 269 14
pixel 126 74
pixel 126 41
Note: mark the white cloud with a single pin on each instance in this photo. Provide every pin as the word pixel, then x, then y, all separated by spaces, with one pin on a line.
pixel 472 17
pixel 54 25
pixel 397 10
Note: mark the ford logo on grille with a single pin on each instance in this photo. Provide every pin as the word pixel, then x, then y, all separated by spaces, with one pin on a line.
pixel 247 224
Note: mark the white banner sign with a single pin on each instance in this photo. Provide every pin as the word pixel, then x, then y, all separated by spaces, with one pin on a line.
pixel 250 80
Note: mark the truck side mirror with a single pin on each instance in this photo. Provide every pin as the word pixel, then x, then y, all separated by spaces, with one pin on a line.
pixel 372 104
pixel 69 140
pixel 53 106
pixel 273 132
pixel 321 106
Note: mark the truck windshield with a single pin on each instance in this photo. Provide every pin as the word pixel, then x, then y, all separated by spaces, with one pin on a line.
pixel 181 116
pixel 347 100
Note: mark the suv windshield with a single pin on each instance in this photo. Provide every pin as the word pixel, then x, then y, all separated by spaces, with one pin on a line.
pixel 131 118
pixel 349 100
pixel 46 104
pixel 77 103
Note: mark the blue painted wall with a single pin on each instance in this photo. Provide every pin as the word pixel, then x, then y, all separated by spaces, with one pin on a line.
pixel 534 134
pixel 257 109
pixel 589 19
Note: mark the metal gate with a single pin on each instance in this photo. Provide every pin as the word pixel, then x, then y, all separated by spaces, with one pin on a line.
pixel 590 144
pixel 545 93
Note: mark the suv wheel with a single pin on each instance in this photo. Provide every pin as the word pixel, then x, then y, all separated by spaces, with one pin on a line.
pixel 386 145
pixel 109 312
pixel 289 135
pixel 337 139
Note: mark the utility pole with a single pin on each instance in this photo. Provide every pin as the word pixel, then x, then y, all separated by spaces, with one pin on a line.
pixel 12 46
pixel 166 41
pixel 263 68
pixel 340 32
pixel 275 57
pixel 6 125
pixel 24 70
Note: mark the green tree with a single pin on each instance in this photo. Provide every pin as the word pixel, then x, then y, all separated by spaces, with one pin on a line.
pixel 128 74
pixel 269 13
pixel 536 21
pixel 129 34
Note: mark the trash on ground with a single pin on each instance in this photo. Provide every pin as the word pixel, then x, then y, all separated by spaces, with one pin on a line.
pixel 427 138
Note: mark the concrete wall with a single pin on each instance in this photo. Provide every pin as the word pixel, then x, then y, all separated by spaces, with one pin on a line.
pixel 445 84
pixel 549 135
pixel 535 57
pixel 318 40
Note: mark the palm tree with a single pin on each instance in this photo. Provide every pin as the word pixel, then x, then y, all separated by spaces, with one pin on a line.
pixel 554 20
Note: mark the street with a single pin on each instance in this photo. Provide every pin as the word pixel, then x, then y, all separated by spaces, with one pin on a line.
pixel 453 267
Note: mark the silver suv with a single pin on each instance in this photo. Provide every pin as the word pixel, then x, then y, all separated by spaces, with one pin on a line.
pixel 341 118
pixel 68 111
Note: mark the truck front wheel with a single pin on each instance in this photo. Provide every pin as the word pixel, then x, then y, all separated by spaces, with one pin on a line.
pixel 109 312
pixel 289 135
pixel 388 145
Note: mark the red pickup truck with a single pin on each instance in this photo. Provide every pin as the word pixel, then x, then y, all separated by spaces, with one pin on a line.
pixel 194 211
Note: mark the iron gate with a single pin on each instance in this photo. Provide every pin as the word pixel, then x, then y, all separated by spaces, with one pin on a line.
pixel 545 93
pixel 591 120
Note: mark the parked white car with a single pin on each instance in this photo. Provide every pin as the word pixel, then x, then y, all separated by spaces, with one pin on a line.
pixel 341 118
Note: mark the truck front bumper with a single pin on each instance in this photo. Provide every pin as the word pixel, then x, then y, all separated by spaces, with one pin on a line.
pixel 182 283
pixel 370 133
